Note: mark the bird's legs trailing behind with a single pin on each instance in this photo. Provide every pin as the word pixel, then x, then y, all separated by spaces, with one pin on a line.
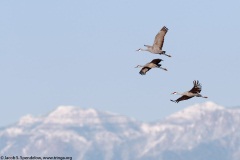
pixel 174 101
pixel 164 53
pixel 163 68
pixel 159 66
pixel 199 95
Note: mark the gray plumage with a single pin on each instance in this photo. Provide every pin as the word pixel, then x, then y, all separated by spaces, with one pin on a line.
pixel 194 92
pixel 155 63
pixel 156 48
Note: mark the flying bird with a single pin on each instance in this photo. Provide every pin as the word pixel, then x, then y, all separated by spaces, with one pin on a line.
pixel 153 64
pixel 194 92
pixel 156 48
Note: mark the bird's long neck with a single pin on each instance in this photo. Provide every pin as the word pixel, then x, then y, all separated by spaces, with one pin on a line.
pixel 179 93
pixel 141 49
pixel 139 66
pixel 147 49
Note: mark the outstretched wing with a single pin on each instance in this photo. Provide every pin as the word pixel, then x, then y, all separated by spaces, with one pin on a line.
pixel 156 61
pixel 197 87
pixel 144 70
pixel 181 99
pixel 159 38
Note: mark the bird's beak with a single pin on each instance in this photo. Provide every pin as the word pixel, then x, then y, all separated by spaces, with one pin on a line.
pixel 138 49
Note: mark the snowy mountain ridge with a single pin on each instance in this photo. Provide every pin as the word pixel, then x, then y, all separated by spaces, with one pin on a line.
pixel 87 134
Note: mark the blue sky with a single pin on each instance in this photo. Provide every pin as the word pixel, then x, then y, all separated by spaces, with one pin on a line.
pixel 82 53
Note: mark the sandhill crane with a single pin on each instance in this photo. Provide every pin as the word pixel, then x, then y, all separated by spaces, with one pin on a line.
pixel 156 48
pixel 153 64
pixel 194 92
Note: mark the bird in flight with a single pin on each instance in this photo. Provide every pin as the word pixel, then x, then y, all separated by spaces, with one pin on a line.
pixel 156 48
pixel 153 64
pixel 194 92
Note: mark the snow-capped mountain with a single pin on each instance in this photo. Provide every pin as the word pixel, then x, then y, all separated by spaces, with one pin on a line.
pixel 201 132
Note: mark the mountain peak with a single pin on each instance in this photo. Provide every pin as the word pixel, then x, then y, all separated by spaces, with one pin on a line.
pixel 196 110
pixel 72 111
pixel 29 120
pixel 210 106
pixel 72 115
